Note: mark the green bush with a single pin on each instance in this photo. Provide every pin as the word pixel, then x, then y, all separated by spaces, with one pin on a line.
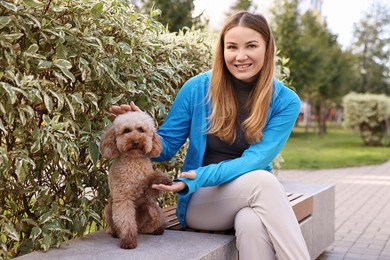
pixel 368 113
pixel 62 64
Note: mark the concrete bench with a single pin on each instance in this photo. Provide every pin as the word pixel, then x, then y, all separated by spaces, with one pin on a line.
pixel 316 222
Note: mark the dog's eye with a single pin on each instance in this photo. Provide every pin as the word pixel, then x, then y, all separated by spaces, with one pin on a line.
pixel 126 130
pixel 140 129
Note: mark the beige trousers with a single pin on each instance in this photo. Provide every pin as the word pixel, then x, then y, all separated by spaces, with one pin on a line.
pixel 258 208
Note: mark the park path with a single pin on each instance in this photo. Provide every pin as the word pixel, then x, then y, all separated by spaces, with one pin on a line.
pixel 362 212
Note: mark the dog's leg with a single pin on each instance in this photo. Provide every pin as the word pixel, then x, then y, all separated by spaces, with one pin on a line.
pixel 156 178
pixel 151 219
pixel 124 218
pixel 108 215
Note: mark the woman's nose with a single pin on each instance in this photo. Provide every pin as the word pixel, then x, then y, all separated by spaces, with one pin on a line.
pixel 241 55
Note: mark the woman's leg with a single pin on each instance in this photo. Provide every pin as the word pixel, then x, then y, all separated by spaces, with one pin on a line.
pixel 252 236
pixel 215 208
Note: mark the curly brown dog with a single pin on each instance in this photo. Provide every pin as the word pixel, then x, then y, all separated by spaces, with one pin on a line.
pixel 132 207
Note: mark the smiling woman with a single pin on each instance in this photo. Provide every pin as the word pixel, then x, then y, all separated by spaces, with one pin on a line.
pixel 237 117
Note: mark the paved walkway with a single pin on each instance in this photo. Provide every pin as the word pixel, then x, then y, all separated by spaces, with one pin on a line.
pixel 362 209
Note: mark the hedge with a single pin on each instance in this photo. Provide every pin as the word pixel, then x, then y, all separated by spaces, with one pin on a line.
pixel 62 64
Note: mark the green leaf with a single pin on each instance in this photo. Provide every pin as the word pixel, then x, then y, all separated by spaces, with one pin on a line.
pixel 2 128
pixel 45 217
pixel 33 48
pixel 10 230
pixel 44 64
pixel 10 91
pixel 63 64
pixel 21 170
pixel 48 102
pixel 97 10
pixel 94 152
pixel 46 243
pixel 114 100
pixel 9 6
pixel 22 117
pixel 35 232
pixel 4 20
pixel 68 74
pixel 33 3
pixel 155 12
pixel 71 108
pixel 59 97
pixel 13 36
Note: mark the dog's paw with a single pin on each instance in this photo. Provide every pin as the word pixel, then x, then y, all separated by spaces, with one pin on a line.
pixel 158 231
pixel 163 180
pixel 128 243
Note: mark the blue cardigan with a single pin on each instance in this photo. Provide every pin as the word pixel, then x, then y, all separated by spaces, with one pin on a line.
pixel 188 119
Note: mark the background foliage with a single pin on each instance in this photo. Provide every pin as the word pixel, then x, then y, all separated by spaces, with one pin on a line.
pixel 62 64
pixel 368 113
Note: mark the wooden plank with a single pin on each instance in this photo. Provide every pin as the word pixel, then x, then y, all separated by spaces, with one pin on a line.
pixel 302 205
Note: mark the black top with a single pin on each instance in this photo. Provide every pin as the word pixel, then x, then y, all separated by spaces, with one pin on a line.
pixel 216 149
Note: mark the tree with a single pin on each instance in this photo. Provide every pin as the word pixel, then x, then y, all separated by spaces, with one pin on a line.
pixel 241 5
pixel 175 14
pixel 319 69
pixel 372 45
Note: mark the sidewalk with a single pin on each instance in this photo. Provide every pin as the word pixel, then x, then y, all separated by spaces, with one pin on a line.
pixel 362 209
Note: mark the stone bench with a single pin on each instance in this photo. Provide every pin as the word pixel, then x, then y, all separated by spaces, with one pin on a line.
pixel 317 228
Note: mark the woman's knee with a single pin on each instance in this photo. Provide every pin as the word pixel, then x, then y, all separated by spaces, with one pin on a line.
pixel 262 178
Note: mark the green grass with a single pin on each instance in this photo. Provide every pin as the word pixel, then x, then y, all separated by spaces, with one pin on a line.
pixel 337 149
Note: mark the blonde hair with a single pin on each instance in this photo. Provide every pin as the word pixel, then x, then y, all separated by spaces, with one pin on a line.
pixel 224 104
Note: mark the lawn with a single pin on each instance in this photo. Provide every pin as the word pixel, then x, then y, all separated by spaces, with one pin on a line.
pixel 338 148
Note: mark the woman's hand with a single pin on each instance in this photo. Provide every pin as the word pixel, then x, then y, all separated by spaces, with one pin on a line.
pixel 122 109
pixel 176 185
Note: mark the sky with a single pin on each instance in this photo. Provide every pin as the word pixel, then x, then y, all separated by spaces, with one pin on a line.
pixel 339 14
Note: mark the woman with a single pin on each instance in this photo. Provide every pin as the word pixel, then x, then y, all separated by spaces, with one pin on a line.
pixel 237 119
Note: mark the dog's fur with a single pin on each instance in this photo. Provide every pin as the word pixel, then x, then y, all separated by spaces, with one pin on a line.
pixel 132 207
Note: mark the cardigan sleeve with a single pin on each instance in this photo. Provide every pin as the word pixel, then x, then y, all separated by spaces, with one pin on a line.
pixel 258 156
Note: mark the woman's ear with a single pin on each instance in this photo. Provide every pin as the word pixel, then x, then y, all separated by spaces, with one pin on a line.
pixel 108 143
pixel 156 146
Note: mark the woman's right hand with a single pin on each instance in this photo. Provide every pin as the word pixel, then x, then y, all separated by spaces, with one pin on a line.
pixel 122 109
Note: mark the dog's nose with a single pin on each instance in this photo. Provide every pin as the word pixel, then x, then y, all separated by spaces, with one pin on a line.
pixel 135 143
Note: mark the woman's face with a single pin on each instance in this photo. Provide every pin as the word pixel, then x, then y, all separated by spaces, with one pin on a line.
pixel 244 51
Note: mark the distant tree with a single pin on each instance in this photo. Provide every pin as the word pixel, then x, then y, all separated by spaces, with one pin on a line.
pixel 241 5
pixel 372 45
pixel 286 29
pixel 320 71
pixel 175 14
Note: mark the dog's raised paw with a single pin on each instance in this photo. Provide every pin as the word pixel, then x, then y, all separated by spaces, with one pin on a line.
pixel 163 180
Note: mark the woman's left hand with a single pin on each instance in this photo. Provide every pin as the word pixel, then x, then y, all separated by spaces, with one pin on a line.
pixel 176 185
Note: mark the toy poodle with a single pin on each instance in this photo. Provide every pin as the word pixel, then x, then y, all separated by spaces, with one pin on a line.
pixel 132 207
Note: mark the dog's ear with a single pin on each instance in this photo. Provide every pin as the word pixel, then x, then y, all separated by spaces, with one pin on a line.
pixel 156 146
pixel 108 143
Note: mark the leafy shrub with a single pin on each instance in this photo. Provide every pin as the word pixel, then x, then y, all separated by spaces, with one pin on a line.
pixel 62 64
pixel 367 113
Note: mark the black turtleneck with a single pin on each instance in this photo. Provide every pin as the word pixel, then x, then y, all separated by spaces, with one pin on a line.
pixel 216 149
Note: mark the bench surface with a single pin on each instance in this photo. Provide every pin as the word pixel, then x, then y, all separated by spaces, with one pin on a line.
pixel 302 205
